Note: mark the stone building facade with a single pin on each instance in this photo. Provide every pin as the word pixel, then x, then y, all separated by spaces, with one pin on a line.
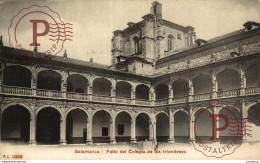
pixel 160 74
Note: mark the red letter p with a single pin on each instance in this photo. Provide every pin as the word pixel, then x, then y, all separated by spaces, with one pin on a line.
pixel 35 34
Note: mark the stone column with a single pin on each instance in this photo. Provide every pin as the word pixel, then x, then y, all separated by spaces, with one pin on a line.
pixel 64 88
pixel 133 138
pixel 215 111
pixel 244 119
pixel 192 125
pixel 154 130
pixel 89 131
pixel 112 131
pixel 151 96
pixel 214 86
pixel 133 96
pixel 90 90
pixel 242 82
pixel 34 84
pixel 151 130
pixel 191 91
pixel 170 94
pixel 171 139
pixel 33 127
pixel 63 130
pixel 113 92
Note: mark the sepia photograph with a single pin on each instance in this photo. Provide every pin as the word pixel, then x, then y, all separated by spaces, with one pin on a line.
pixel 130 80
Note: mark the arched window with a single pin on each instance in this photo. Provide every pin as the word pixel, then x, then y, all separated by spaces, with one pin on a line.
pixel 136 42
pixel 170 42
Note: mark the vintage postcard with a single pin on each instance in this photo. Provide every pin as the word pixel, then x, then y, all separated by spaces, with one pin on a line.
pixel 130 80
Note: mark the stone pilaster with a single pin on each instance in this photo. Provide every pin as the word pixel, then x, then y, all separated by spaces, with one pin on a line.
pixel 214 86
pixel 133 124
pixel 90 89
pixel 242 81
pixel 171 139
pixel 112 131
pixel 89 131
pixel 191 91
pixel 62 130
pixel 33 126
pixel 192 124
pixel 133 96
pixel 170 94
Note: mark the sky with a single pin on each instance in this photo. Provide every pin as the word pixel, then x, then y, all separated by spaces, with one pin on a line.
pixel 95 20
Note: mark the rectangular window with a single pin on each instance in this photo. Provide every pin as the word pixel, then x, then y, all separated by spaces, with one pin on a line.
pixel 120 129
pixel 104 131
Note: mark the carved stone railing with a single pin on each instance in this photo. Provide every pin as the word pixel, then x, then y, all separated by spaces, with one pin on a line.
pixel 77 96
pixel 228 93
pixel 183 99
pixel 102 98
pixel 123 100
pixel 17 90
pixel 48 93
pixel 161 102
pixel 142 102
pixel 253 90
pixel 13 90
pixel 199 97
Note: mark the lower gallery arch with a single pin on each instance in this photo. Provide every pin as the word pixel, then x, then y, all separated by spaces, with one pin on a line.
pixel 162 127
pixel 15 125
pixel 101 127
pixel 123 127
pixel 233 129
pixel 181 120
pixel 48 126
pixel 76 127
pixel 142 127
pixel 254 118
pixel 203 125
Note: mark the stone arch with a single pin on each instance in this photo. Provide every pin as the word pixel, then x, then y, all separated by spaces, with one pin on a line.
pixel 131 115
pixel 180 88
pixel 48 124
pixel 17 75
pixel 229 67
pixel 183 110
pixel 142 91
pixel 123 89
pixel 203 124
pixel 74 108
pixel 46 69
pixel 181 119
pixel 161 91
pixel 102 86
pixel 21 104
pixel 50 106
pixel 162 126
pixel 123 121
pixel 77 83
pixel 143 120
pixel 49 80
pixel 76 125
pixel 101 126
pixel 228 79
pixel 100 109
pixel 15 123
pixel 162 112
pixel 144 113
pixel 202 83
pixel 252 75
pixel 24 66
